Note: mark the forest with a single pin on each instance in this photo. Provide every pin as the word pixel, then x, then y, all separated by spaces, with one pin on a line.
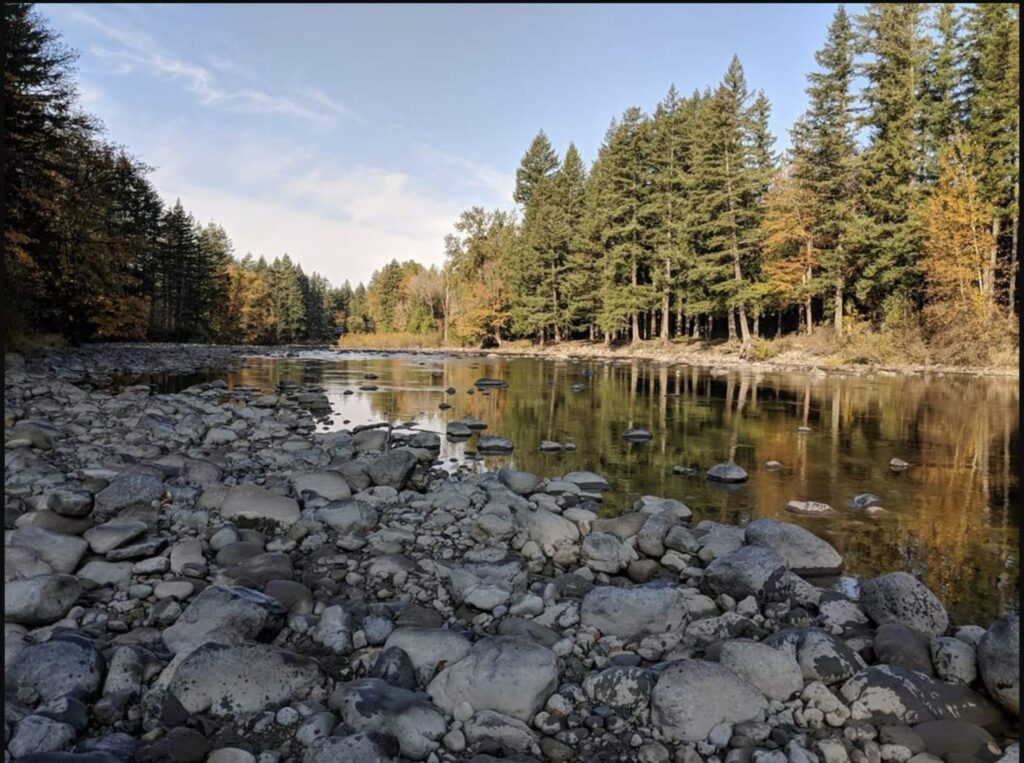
pixel 892 219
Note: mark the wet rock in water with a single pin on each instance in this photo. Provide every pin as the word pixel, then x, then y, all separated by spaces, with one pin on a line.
pixel 520 483
pixel 225 615
pixel 999 661
pixel 863 501
pixel 40 600
pixel 578 387
pixel 898 644
pixel 632 612
pixel 250 502
pixel 65 666
pixel 372 705
pixel 549 446
pixel 494 445
pixel 624 689
pixel 898 465
pixel 899 597
pixel 810 508
pixel 728 473
pixel 457 429
pixel 637 434
pixel 774 672
pixel 692 697
pixel 486 382
pixel 802 551
pixel 368 387
pixel 513 676
pixel 743 572
pixel 227 680
pixel 772 466
pixel 588 481
pixel 685 471
pixel 329 485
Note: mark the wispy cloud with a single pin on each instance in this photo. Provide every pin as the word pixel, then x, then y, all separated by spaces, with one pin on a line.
pixel 128 50
pixel 479 175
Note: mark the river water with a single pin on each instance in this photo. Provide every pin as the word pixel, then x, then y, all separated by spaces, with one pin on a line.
pixel 952 517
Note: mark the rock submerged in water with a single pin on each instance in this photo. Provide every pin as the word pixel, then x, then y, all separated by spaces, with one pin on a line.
pixel 494 445
pixel 728 473
pixel 637 434
pixel 810 508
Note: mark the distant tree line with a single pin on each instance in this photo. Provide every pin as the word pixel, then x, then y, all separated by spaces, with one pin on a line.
pixel 896 205
pixel 90 249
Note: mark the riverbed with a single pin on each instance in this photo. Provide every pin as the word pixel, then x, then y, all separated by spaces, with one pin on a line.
pixel 952 517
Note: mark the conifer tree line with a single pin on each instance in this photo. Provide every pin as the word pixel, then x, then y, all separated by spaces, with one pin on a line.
pixel 896 204
pixel 90 249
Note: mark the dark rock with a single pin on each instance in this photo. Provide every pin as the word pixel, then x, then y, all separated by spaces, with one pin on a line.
pixel 394 666
pixel 66 665
pixel 727 472
pixel 896 644
pixel 180 745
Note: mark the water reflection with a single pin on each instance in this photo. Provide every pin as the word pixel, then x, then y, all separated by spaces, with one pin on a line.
pixel 952 517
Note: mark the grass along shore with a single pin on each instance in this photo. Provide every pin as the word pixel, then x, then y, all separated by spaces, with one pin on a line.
pixel 858 353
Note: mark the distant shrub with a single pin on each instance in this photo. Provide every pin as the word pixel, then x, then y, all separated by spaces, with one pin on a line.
pixel 389 341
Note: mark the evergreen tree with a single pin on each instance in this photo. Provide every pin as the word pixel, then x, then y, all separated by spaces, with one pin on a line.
pixel 943 109
pixel 285 279
pixel 538 163
pixel 891 41
pixel 825 156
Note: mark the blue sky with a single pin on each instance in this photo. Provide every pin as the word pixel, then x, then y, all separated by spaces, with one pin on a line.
pixel 346 135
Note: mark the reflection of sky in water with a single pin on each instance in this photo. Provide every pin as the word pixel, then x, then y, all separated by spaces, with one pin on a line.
pixel 953 517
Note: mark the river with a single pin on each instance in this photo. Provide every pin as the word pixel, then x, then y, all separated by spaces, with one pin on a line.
pixel 952 517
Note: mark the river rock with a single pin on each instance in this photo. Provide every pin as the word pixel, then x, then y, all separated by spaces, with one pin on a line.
pixel 227 679
pixel 491 728
pixel 743 572
pixel 890 694
pixel 67 665
pixel 494 445
pixel 458 429
pixel 604 552
pixel 358 748
pixel 135 489
pixel 429 649
pixel 999 662
pixel 251 502
pixel 951 739
pixel 39 735
pixel 821 656
pixel 692 697
pixel 630 613
pixel 897 644
pixel 727 472
pixel 954 661
pixel 588 481
pixel 637 434
pixel 40 600
pixel 329 485
pixel 61 552
pixel 512 676
pixel 803 552
pixel 899 597
pixel 864 501
pixel 370 705
pixel 392 468
pixel 394 666
pixel 70 502
pixel 810 508
pixel 113 534
pixel 557 537
pixel 625 689
pixel 225 615
pixel 772 671
pixel 520 483
pixel 349 516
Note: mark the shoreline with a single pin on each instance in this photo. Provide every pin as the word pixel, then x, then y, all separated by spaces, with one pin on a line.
pixel 706 358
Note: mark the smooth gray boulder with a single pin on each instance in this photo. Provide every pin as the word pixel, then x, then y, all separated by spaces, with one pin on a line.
pixel 512 676
pixel 588 481
pixel 67 665
pixel 630 613
pixel 901 598
pixel 225 615
pixel 134 489
pixel 772 671
pixel 999 662
pixel 40 600
pixel 369 705
pixel 37 734
pixel 61 552
pixel 637 434
pixel 358 748
pixel 558 538
pixel 226 680
pixel 329 485
pixel 821 656
pixel 954 660
pixel 494 445
pixel 809 508
pixel 604 552
pixel 692 697
pixel 743 572
pixel 802 551
pixel 429 648
pixel 251 502
pixel 392 468
pixel 110 535
pixel 349 516
pixel 519 482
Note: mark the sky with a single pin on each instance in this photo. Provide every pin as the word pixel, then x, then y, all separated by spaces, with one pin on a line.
pixel 348 135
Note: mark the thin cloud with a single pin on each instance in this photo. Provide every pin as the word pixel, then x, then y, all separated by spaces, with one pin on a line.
pixel 480 175
pixel 138 50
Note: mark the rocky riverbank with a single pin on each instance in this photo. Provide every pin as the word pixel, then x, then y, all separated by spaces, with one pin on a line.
pixel 202 576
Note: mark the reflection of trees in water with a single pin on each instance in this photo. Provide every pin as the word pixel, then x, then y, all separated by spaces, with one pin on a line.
pixel 952 516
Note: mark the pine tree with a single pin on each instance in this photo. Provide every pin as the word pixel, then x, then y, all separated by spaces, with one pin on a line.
pixel 944 107
pixel 825 156
pixel 538 163
pixel 285 278
pixel 890 38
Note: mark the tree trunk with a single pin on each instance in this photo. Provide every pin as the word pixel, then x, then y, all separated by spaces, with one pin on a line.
pixel 810 315
pixel 730 322
pixel 1011 286
pixel 757 325
pixel 839 307
pixel 990 270
pixel 665 301
pixel 778 325
pixel 680 326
